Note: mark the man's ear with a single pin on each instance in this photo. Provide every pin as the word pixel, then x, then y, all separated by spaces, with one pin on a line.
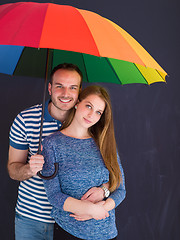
pixel 49 88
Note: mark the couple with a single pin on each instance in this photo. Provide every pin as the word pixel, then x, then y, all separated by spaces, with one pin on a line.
pixel 87 169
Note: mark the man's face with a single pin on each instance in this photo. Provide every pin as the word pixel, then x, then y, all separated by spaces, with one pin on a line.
pixel 64 89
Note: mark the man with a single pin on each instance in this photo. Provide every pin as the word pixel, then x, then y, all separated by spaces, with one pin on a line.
pixel 33 220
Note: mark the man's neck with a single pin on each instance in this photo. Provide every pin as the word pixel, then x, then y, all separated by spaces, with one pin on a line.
pixel 57 113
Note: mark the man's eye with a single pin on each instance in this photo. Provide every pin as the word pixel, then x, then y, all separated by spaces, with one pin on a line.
pixel 73 88
pixel 59 86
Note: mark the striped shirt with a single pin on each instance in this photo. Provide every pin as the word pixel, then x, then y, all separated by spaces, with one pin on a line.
pixel 32 201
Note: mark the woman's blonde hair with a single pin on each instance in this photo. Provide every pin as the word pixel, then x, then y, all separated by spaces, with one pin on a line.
pixel 103 134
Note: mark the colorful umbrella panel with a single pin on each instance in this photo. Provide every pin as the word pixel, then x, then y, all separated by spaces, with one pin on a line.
pixel 26 61
pixel 102 49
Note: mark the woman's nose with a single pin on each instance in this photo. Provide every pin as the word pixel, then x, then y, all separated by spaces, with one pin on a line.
pixel 90 114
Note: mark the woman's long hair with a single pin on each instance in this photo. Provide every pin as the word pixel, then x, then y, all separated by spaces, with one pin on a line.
pixel 103 134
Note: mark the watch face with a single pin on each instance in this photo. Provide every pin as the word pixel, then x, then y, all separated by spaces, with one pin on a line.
pixel 106 194
pixel 106 191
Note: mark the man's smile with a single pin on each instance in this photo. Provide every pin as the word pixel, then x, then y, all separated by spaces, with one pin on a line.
pixel 64 100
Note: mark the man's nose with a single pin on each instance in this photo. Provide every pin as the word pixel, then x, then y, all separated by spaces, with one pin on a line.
pixel 65 92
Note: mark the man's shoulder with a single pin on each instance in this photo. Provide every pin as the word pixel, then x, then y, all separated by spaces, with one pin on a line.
pixel 36 109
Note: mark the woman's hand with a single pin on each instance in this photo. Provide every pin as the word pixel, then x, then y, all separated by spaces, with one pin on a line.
pixel 95 211
pixel 80 217
pixel 98 212
pixel 95 194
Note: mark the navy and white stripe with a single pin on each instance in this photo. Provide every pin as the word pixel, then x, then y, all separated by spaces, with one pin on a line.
pixel 24 134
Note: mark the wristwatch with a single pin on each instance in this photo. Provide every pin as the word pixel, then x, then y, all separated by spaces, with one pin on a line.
pixel 106 191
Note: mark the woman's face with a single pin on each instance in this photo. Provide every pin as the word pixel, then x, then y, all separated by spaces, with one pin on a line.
pixel 89 110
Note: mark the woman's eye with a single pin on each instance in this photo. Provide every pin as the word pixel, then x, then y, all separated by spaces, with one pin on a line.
pixel 88 106
pixel 99 113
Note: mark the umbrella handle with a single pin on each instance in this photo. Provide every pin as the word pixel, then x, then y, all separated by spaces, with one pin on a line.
pixel 41 128
pixel 52 176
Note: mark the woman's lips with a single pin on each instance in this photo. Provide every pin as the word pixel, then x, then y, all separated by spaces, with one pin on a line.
pixel 87 121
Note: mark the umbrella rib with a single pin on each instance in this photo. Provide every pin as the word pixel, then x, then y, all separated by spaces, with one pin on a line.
pixel 161 76
pixel 85 67
pixel 141 74
pixel 18 61
pixel 113 69
pixel 95 45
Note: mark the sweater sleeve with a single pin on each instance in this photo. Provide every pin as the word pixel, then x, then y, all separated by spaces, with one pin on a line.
pixel 119 194
pixel 52 186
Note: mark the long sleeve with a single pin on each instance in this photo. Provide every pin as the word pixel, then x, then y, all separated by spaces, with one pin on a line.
pixel 52 186
pixel 119 194
pixel 80 168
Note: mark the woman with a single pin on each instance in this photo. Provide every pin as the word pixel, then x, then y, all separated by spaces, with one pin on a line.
pixel 85 150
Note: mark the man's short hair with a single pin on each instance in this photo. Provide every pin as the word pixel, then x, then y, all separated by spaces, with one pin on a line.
pixel 67 66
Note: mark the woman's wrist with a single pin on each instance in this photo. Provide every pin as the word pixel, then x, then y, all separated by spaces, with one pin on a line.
pixel 109 204
pixel 88 207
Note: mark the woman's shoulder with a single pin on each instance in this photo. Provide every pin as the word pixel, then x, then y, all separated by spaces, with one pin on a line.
pixel 52 137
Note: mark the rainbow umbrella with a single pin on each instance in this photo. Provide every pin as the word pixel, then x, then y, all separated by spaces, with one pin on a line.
pixel 102 49
pixel 35 37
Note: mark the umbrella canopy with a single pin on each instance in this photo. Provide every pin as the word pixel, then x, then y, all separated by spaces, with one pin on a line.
pixel 35 37
pixel 103 50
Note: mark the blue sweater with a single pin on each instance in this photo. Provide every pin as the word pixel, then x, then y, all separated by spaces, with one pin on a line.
pixel 81 167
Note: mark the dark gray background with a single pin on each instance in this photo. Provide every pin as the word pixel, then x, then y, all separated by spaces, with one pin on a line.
pixel 147 123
